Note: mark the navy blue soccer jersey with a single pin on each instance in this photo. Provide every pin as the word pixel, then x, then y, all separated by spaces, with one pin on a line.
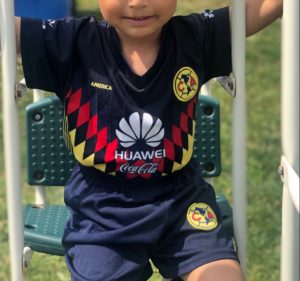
pixel 121 123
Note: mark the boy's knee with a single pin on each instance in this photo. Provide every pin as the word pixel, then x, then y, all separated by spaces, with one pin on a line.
pixel 225 270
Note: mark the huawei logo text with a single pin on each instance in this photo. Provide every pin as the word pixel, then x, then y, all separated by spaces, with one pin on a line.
pixel 140 130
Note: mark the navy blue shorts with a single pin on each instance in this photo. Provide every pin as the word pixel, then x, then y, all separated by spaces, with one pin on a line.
pixel 116 226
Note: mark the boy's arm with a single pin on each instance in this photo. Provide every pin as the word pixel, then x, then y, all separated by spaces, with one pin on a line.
pixel 260 13
pixel 18 24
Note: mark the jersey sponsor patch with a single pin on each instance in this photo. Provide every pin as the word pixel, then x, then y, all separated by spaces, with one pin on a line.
pixel 139 136
pixel 140 129
pixel 201 216
pixel 185 84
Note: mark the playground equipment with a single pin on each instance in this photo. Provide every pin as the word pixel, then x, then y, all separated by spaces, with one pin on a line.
pixel 11 140
pixel 12 148
pixel 239 124
pixel 290 166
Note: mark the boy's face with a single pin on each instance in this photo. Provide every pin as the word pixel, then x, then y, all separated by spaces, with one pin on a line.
pixel 137 19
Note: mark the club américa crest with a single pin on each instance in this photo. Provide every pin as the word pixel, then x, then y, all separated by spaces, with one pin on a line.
pixel 201 216
pixel 185 84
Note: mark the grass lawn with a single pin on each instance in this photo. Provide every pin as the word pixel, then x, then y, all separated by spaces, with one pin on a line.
pixel 263 143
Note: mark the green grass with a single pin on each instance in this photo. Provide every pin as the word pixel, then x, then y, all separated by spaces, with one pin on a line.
pixel 263 143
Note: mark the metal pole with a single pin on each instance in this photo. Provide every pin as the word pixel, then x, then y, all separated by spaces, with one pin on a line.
pixel 239 157
pixel 290 142
pixel 11 140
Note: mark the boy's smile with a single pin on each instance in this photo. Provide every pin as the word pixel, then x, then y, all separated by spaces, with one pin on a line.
pixel 140 21
pixel 137 19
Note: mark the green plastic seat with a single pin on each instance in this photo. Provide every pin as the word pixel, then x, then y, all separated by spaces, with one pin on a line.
pixel 49 163
pixel 44 228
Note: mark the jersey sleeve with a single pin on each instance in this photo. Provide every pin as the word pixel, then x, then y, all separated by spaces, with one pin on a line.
pixel 215 42
pixel 48 50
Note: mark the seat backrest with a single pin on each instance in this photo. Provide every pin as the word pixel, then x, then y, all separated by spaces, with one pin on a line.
pixel 207 136
pixel 50 163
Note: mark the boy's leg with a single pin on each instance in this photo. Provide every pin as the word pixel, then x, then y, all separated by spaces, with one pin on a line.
pixel 225 270
pixel 195 243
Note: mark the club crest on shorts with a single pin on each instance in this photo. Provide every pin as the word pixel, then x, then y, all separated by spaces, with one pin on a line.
pixel 201 216
pixel 185 84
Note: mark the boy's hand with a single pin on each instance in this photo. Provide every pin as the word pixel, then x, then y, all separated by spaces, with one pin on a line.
pixel 260 13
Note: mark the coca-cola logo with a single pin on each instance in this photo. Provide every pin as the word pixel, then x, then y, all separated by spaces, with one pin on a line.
pixel 147 168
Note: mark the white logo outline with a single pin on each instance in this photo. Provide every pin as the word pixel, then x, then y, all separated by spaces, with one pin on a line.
pixel 137 128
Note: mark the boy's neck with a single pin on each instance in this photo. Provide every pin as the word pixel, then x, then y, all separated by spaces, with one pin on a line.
pixel 140 55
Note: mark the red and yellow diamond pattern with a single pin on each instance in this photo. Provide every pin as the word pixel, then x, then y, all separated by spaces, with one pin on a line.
pixel 93 145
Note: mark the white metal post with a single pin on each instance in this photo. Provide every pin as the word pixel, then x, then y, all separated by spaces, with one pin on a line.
pixel 11 140
pixel 290 142
pixel 239 157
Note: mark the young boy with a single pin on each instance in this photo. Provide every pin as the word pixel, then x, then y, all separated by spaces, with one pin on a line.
pixel 129 85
